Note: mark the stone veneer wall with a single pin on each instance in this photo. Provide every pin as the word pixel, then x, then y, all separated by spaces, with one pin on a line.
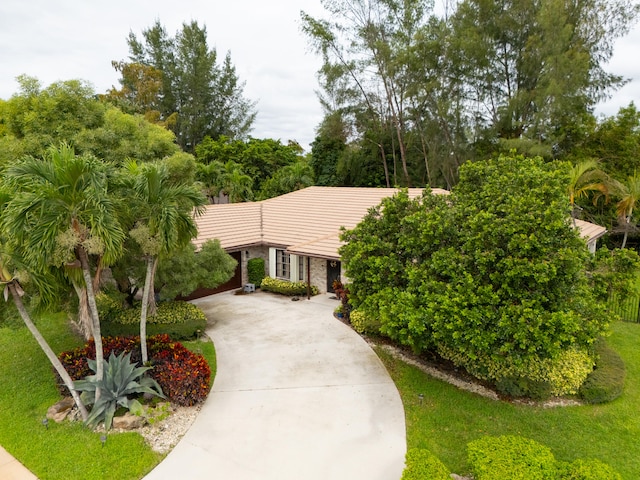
pixel 319 274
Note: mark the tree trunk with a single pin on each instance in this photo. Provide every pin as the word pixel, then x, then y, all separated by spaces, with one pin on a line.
pixel 95 317
pixel 55 361
pixel 626 232
pixel 83 322
pixel 145 307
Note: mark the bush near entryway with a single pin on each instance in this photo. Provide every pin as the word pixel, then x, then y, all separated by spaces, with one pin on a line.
pixel 184 376
pixel 255 271
pixel 284 287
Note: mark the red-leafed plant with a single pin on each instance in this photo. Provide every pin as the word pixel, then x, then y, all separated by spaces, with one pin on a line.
pixel 184 376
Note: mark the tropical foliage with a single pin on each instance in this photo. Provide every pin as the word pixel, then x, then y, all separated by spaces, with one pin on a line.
pixel 492 277
pixel 122 380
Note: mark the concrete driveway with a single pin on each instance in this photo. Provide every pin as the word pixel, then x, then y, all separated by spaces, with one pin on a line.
pixel 297 395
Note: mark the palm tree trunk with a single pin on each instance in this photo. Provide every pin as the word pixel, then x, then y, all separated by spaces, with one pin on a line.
pixel 93 309
pixel 55 361
pixel 145 306
pixel 83 323
pixel 626 232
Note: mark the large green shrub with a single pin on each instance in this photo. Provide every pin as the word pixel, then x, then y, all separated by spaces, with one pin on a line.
pixel 179 320
pixel 422 465
pixel 511 457
pixel 284 287
pixel 606 382
pixel 493 275
pixel 517 458
pixel 255 271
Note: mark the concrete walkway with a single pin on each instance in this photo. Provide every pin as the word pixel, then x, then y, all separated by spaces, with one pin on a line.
pixel 298 395
pixel 12 469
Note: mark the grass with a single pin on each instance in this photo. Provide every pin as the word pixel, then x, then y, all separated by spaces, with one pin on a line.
pixel 64 450
pixel 447 418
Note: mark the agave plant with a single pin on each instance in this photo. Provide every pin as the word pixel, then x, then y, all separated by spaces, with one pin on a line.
pixel 122 379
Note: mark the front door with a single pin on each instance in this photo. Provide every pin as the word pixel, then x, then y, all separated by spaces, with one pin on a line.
pixel 333 273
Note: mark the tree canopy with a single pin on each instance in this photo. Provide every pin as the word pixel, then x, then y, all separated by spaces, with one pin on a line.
pixel 197 96
pixel 425 92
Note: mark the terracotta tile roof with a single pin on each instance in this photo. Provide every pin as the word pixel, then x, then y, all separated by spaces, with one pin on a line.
pixel 590 231
pixel 307 221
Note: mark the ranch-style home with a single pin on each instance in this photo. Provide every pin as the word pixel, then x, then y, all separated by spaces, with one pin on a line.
pixel 297 234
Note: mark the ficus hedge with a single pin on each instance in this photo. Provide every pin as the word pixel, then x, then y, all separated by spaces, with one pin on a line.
pixel 494 274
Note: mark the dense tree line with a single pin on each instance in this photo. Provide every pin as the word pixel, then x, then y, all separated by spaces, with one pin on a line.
pixel 411 94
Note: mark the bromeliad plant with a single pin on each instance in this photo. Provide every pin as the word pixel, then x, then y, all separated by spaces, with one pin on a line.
pixel 122 379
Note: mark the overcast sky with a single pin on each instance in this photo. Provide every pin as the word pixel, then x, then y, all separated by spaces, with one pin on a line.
pixel 66 39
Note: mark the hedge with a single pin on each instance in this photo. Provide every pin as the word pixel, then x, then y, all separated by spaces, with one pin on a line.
pixel 606 382
pixel 180 320
pixel 284 287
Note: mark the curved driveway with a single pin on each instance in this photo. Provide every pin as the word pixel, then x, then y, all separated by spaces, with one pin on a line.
pixel 297 395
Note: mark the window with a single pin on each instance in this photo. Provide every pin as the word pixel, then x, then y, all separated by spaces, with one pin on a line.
pixel 302 269
pixel 283 270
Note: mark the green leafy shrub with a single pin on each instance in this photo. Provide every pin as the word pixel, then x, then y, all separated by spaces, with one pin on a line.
pixel 183 375
pixel 589 469
pixel 362 323
pixel 122 380
pixel 180 320
pixel 422 464
pixel 511 457
pixel 606 382
pixel 255 270
pixel 532 377
pixel 284 287
pixel 109 305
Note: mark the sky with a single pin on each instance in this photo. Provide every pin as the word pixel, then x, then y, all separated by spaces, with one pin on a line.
pixel 56 40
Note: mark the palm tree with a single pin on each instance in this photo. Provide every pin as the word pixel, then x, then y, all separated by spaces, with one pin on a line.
pixel 12 287
pixel 209 176
pixel 165 223
pixel 61 213
pixel 235 183
pixel 296 176
pixel 629 194
pixel 586 177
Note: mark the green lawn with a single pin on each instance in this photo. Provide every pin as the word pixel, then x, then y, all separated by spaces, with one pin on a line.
pixel 66 450
pixel 448 418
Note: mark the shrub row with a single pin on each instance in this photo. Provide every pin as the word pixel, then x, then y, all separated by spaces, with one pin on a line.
pixel 184 376
pixel 534 377
pixel 518 458
pixel 606 382
pixel 180 320
pixel 284 287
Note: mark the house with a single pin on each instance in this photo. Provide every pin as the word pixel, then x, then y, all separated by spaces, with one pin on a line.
pixel 298 234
